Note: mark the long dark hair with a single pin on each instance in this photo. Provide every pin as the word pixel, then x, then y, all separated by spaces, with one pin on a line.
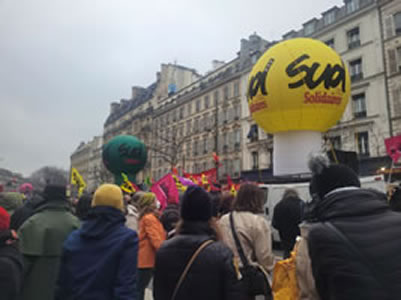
pixel 250 198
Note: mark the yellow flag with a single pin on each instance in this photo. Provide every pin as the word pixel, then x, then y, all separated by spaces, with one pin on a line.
pixel 76 179
pixel 178 183
pixel 233 191
pixel 127 185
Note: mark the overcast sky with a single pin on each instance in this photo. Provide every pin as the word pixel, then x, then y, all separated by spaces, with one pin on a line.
pixel 63 61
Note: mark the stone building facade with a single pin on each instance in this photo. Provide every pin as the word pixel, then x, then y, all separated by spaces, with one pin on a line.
pixel 206 117
pixel 391 25
pixel 354 31
pixel 184 117
pixel 80 160
pixel 135 115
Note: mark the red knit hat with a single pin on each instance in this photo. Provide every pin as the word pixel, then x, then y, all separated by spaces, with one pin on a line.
pixel 4 219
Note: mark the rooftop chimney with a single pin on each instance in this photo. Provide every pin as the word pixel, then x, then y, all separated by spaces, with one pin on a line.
pixel 114 106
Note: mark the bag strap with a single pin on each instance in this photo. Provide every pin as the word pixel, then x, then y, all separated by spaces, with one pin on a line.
pixel 191 261
pixel 237 242
pixel 357 253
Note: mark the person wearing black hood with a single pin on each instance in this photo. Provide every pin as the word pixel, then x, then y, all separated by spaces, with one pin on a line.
pixel 23 213
pixel 195 264
pixel 100 259
pixel 286 218
pixel 41 239
pixel 355 239
pixel 11 266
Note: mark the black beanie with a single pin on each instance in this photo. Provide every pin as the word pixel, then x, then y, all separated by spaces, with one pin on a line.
pixel 54 192
pixel 331 178
pixel 196 205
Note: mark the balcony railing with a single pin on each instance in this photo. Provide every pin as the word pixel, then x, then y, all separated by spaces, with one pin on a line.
pixel 356 77
pixel 354 44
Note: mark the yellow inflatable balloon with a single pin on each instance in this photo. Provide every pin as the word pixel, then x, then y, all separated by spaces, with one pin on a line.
pixel 299 84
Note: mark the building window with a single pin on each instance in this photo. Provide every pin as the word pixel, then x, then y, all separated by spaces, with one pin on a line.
pixel 225 142
pixel 253 134
pixel 399 58
pixel 359 105
pixel 223 168
pixel 216 96
pixel 205 150
pixel 188 150
pixel 207 101
pixel 225 92
pixel 309 28
pixel 195 148
pixel 255 160
pixel 336 142
pixel 189 107
pixel 237 109
pixel 181 113
pixel 363 143
pixel 198 105
pixel 188 127
pixel 236 89
pixel 237 167
pixel 237 139
pixel 329 18
pixel 225 116
pixel 353 38
pixel 330 43
pixel 356 70
pixel 352 5
pixel 196 125
pixel 397 23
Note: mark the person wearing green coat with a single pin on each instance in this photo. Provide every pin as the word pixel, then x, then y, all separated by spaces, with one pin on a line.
pixel 41 241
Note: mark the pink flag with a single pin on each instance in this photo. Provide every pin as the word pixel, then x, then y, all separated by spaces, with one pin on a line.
pixel 393 146
pixel 165 190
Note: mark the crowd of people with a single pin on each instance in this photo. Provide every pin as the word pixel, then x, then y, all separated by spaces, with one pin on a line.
pixel 344 244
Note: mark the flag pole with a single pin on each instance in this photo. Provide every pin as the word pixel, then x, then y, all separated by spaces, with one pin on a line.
pixel 391 172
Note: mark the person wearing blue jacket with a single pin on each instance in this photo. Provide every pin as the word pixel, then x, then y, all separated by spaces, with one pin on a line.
pixel 100 259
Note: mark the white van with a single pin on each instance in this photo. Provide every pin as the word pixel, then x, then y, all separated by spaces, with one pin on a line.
pixel 274 193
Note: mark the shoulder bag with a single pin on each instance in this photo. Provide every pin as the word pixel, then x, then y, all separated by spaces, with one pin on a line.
pixel 191 261
pixel 254 279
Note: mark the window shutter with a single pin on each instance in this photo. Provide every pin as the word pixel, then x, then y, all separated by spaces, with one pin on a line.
pixel 392 61
pixel 389 26
pixel 397 101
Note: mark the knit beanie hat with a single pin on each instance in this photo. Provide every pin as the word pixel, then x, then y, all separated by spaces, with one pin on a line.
pixel 145 200
pixel 4 219
pixel 109 195
pixel 55 192
pixel 196 205
pixel 25 188
pixel 326 177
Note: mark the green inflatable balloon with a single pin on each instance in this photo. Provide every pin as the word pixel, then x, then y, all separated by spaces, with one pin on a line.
pixel 124 154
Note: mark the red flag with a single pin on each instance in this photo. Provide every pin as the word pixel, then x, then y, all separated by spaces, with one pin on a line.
pixel 216 158
pixel 165 190
pixel 393 147
pixel 210 174
pixel 229 181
